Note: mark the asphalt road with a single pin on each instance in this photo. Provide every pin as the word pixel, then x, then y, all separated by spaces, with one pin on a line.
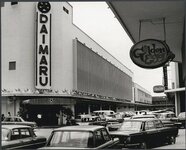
pixel 180 140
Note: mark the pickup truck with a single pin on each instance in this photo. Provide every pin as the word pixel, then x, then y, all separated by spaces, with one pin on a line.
pixel 145 132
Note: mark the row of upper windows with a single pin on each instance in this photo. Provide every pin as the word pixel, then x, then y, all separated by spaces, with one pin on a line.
pixel 64 9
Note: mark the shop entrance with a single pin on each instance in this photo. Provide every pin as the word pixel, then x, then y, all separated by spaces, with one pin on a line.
pixel 44 115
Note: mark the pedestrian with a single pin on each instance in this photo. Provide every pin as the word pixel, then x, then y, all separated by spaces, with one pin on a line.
pixel 9 114
pixel 2 117
pixel 68 120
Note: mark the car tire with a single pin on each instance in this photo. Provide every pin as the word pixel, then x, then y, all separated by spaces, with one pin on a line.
pixel 172 140
pixel 143 145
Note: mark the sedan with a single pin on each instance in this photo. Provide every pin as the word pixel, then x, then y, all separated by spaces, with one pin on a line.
pixel 18 120
pixel 143 133
pixel 20 137
pixel 182 118
pixel 80 137
pixel 169 119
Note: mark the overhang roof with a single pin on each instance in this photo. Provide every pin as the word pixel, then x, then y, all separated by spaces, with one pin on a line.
pixel 151 14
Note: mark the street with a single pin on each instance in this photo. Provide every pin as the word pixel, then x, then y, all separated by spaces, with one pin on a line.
pixel 180 140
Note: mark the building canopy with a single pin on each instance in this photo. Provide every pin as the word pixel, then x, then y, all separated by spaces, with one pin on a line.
pixel 147 17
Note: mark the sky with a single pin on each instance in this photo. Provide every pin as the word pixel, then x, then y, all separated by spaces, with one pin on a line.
pixel 98 21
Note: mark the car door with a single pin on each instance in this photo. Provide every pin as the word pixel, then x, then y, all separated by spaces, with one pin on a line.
pixel 14 140
pixel 30 140
pixel 103 139
pixel 151 132
pixel 162 132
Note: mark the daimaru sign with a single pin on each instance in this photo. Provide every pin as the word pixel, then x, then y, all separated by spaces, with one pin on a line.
pixel 43 45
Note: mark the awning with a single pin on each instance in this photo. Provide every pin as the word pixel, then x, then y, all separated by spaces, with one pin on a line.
pixel 150 14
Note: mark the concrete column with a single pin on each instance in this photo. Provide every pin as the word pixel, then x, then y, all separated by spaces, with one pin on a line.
pixel 177 103
pixel 72 107
pixel 89 109
pixel 100 107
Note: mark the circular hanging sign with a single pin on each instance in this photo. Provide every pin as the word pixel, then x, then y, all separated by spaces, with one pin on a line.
pixel 151 53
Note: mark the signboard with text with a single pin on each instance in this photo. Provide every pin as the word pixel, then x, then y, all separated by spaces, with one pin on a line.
pixel 43 45
pixel 151 53
pixel 158 89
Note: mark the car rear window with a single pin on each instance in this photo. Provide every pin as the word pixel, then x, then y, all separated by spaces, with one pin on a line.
pixel 131 126
pixel 72 139
pixel 25 133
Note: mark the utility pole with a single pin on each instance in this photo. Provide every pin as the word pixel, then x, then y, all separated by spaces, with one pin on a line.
pixel 165 78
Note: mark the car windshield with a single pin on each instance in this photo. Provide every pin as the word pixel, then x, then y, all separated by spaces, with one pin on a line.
pixel 131 126
pixel 4 135
pixel 71 139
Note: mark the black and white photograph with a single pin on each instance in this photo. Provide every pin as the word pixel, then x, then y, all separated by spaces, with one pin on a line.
pixel 93 74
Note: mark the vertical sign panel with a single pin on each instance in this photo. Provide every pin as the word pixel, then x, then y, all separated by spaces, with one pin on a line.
pixel 43 45
pixel 165 77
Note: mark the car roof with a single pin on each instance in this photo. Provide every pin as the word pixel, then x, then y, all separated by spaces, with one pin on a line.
pixel 182 112
pixel 13 126
pixel 144 116
pixel 103 111
pixel 12 117
pixel 142 119
pixel 80 128
pixel 170 112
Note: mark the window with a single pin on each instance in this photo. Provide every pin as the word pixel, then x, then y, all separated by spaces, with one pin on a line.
pixel 105 135
pixel 149 125
pixel 14 3
pixel 66 10
pixel 15 134
pixel 17 120
pixel 25 133
pixel 77 139
pixel 12 65
pixel 98 138
pixel 158 124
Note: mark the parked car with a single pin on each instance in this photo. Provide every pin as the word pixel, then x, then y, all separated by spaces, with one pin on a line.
pixel 129 114
pixel 113 125
pixel 143 116
pixel 105 114
pixel 181 118
pixel 169 119
pixel 99 123
pixel 18 120
pixel 80 137
pixel 87 118
pixel 141 112
pixel 20 137
pixel 143 133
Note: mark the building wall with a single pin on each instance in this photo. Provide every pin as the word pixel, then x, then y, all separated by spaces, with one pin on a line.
pixel 18 44
pixel 98 76
pixel 142 95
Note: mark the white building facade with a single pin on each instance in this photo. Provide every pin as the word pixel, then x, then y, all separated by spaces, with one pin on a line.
pixel 141 97
pixel 49 63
